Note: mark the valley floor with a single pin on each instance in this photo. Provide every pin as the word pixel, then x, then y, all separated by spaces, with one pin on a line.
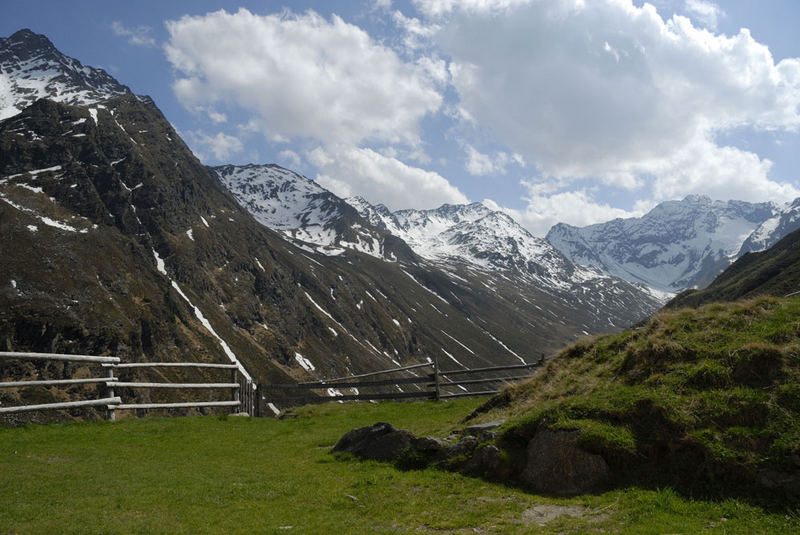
pixel 219 474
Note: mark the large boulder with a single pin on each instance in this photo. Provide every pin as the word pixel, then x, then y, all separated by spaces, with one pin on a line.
pixel 557 464
pixel 381 442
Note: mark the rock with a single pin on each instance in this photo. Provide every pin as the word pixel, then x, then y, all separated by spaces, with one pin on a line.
pixel 429 446
pixel 784 481
pixel 381 442
pixel 557 465
pixel 487 462
pixel 462 447
pixel 484 432
pixel 456 455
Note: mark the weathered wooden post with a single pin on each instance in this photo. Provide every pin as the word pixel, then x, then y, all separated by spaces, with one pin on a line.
pixel 112 416
pixel 436 378
pixel 235 379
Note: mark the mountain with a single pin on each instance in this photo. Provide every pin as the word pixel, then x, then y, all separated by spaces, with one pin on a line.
pixel 775 272
pixel 478 237
pixel 471 245
pixel 117 240
pixel 678 244
pixel 302 210
pixel 32 68
pixel 773 229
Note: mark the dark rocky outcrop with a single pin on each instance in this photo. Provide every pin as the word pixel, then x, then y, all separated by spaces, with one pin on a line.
pixel 557 465
pixel 379 442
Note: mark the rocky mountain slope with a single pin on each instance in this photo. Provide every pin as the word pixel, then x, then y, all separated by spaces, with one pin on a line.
pixel 473 245
pixel 775 272
pixel 678 244
pixel 304 211
pixel 771 231
pixel 116 239
pixel 32 69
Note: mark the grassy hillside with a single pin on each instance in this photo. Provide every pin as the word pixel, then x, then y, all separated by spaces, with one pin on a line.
pixel 775 271
pixel 234 475
pixel 706 400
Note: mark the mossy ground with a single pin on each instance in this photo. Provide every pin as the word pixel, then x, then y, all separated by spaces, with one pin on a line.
pixel 236 475
pixel 705 399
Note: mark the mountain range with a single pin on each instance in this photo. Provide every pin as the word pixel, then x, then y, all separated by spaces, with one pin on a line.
pixel 678 244
pixel 116 239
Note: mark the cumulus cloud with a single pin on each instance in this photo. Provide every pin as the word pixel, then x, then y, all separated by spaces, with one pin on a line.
pixel 221 146
pixel 304 76
pixel 436 8
pixel 548 205
pixel 291 158
pixel 484 164
pixel 138 35
pixel 608 90
pixel 706 13
pixel 381 179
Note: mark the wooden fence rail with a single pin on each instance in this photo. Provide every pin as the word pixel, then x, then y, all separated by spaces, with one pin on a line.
pixel 59 356
pixel 432 382
pixel 112 402
pixel 250 398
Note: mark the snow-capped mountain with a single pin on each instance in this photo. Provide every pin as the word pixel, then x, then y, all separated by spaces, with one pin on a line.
pixel 678 244
pixel 303 210
pixel 773 229
pixel 476 236
pixel 31 68
pixel 477 248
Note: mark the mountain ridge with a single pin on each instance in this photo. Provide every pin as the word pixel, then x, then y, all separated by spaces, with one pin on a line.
pixel 33 68
pixel 678 244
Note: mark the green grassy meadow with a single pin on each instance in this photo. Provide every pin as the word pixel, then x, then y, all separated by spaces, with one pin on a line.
pixel 218 474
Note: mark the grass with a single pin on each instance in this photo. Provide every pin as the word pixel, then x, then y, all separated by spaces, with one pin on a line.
pixel 234 475
pixel 703 399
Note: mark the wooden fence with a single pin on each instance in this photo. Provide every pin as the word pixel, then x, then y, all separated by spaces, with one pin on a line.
pixel 436 385
pixel 252 399
pixel 244 402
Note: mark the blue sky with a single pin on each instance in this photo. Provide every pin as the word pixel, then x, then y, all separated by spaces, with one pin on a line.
pixel 553 110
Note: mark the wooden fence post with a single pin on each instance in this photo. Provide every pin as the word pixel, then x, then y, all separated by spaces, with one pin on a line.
pixel 112 416
pixel 235 379
pixel 436 393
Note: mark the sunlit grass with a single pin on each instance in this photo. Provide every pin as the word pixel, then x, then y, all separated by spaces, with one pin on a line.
pixel 237 475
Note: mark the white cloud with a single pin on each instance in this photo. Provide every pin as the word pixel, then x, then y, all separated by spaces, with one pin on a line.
pixel 484 164
pixel 138 35
pixel 437 8
pixel 217 117
pixel 706 13
pixel 381 179
pixel 221 146
pixel 547 206
pixel 291 158
pixel 611 91
pixel 302 75
pixel 416 32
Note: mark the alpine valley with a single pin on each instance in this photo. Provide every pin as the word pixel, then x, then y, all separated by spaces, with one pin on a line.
pixel 116 239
